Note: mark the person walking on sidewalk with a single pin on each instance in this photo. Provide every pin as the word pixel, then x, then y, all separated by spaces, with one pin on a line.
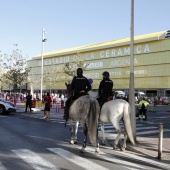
pixel 28 102
pixel 48 103
pixel 143 104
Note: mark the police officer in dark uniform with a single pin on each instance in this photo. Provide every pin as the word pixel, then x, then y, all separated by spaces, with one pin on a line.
pixel 28 102
pixel 79 86
pixel 105 88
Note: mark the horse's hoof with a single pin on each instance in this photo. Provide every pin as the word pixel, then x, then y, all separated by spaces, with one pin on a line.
pixel 97 150
pixel 82 150
pixel 72 142
pixel 122 149
pixel 114 147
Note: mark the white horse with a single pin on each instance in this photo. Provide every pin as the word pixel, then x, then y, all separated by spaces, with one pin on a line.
pixel 113 111
pixel 85 108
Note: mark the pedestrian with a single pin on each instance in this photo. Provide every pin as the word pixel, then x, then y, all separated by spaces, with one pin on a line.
pixel 143 104
pixel 28 102
pixel 105 89
pixel 48 105
pixel 80 86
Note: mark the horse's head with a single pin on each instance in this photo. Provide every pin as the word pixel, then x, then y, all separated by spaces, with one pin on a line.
pixel 69 91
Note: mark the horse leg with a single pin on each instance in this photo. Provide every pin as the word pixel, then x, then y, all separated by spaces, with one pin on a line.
pixel 85 129
pixel 118 129
pixel 97 142
pixel 125 138
pixel 75 132
pixel 102 129
pixel 71 132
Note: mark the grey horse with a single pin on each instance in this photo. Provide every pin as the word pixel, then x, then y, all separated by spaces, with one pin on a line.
pixel 85 109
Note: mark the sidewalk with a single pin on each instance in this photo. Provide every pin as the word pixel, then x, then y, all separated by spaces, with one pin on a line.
pixel 20 107
pixel 149 147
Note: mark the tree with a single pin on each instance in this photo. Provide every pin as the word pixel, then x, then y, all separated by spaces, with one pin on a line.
pixel 15 71
pixel 70 68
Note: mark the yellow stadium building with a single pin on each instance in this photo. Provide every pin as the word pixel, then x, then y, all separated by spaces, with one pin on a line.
pixel 151 63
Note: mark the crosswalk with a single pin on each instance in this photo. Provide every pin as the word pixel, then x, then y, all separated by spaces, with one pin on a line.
pixel 68 157
pixel 142 128
pixel 88 160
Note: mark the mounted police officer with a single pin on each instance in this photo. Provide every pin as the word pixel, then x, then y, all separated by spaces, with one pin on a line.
pixel 105 88
pixel 79 86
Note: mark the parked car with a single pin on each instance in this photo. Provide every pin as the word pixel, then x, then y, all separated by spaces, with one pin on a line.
pixel 120 94
pixel 164 100
pixel 6 107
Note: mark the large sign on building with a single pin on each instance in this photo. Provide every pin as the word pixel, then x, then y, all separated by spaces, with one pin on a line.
pixel 151 62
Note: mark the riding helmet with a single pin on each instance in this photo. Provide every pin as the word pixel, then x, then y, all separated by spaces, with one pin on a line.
pixel 79 72
pixel 106 74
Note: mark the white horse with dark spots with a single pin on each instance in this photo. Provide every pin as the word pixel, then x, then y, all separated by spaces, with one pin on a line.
pixel 113 111
pixel 85 108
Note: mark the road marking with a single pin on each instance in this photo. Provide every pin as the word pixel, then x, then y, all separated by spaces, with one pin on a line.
pixel 34 160
pixel 150 161
pixel 151 131
pixel 111 126
pixel 80 161
pixel 2 167
pixel 138 128
pixel 113 159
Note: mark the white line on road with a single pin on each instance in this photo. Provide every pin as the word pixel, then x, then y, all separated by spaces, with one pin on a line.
pixel 113 159
pixel 34 160
pixel 111 126
pixel 138 128
pixel 151 131
pixel 82 162
pixel 141 158
pixel 2 167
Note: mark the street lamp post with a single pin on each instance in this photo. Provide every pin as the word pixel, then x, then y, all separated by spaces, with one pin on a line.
pixel 42 61
pixel 131 83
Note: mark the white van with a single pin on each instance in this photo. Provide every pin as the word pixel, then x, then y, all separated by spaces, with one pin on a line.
pixel 140 94
pixel 120 93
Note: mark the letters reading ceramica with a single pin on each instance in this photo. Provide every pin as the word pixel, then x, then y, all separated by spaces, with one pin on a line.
pixel 124 51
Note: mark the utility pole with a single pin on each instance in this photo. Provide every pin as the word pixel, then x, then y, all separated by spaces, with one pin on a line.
pixel 42 60
pixel 131 83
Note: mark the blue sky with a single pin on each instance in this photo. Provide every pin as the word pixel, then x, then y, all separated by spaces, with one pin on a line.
pixel 71 23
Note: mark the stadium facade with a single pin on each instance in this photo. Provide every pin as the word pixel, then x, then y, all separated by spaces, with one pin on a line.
pixel 151 63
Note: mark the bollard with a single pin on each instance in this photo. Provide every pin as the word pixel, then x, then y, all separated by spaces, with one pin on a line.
pixel 160 141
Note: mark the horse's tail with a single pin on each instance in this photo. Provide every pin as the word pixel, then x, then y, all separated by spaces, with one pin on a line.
pixel 127 122
pixel 93 121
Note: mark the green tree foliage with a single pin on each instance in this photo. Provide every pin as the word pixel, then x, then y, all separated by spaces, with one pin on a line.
pixel 70 68
pixel 15 71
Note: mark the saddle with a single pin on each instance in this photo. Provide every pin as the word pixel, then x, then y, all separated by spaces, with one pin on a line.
pixel 103 100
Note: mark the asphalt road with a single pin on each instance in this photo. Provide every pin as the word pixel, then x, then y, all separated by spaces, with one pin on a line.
pixel 29 142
